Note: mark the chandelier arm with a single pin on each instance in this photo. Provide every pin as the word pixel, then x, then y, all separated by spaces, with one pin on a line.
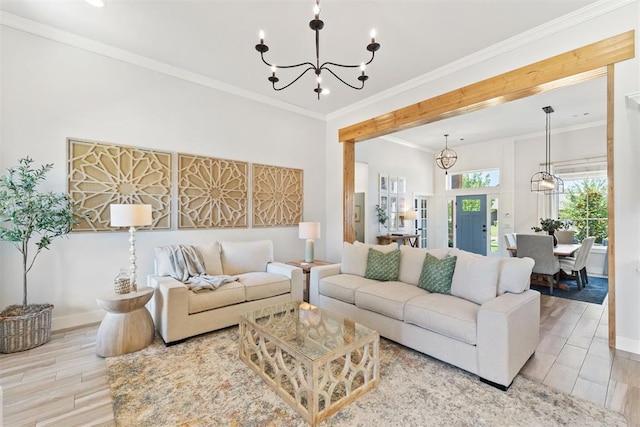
pixel 335 64
pixel 295 80
pixel 286 66
pixel 338 77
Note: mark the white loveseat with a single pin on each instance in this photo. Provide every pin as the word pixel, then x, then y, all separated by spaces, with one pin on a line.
pixel 180 313
pixel 488 325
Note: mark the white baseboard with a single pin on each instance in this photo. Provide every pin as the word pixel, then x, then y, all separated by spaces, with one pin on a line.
pixel 73 321
pixel 627 344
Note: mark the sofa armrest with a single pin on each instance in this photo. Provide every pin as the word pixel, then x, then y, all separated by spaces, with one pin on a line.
pixel 317 273
pixel 170 307
pixel 293 273
pixel 508 333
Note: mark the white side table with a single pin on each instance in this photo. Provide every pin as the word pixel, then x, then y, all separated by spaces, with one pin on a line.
pixel 128 325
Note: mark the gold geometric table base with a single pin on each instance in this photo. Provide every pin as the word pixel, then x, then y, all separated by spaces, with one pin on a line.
pixel 317 366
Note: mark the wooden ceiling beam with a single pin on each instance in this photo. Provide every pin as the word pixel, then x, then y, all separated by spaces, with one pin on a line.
pixel 568 68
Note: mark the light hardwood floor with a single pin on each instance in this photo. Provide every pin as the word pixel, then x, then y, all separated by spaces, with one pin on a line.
pixel 63 383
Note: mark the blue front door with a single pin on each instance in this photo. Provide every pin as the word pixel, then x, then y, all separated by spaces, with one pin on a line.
pixel 471 223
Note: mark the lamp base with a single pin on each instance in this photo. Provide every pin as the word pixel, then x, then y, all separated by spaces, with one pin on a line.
pixel 308 251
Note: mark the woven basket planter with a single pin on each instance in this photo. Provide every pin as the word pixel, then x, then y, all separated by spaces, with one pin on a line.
pixel 19 333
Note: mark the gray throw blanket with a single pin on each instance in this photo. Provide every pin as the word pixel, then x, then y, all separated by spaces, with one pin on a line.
pixel 187 266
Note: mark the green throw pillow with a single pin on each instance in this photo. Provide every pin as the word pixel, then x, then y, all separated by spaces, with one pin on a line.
pixel 383 266
pixel 437 274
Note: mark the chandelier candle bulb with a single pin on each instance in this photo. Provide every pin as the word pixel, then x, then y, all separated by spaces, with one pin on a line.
pixel 373 36
pixel 261 36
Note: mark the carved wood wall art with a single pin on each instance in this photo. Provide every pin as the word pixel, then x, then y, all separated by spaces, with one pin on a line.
pixel 100 174
pixel 212 193
pixel 277 196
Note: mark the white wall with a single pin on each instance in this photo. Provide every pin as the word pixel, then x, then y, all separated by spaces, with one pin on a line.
pixel 544 44
pixel 51 91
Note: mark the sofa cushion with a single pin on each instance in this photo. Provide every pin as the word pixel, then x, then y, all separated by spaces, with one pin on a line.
pixel 437 273
pixel 245 257
pixel 211 256
pixel 260 285
pixel 411 260
pixel 386 298
pixel 475 278
pixel 354 256
pixel 514 275
pixel 383 266
pixel 444 314
pixel 342 286
pixel 227 294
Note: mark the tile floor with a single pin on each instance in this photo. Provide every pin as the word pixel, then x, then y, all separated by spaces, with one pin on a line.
pixel 64 383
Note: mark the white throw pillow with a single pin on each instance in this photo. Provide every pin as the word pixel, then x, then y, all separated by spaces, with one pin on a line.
pixel 355 255
pixel 475 277
pixel 411 260
pixel 211 255
pixel 162 263
pixel 245 257
pixel 514 275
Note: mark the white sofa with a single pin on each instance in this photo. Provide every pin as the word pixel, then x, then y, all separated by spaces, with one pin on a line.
pixel 180 313
pixel 488 325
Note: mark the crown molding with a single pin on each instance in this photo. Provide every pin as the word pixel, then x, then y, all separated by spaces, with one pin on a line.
pixel 61 36
pixel 562 23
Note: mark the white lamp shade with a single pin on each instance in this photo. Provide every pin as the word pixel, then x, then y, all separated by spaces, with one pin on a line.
pixel 309 230
pixel 130 215
pixel 411 215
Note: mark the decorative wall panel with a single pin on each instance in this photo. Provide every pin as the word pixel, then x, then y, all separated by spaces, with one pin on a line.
pixel 101 174
pixel 212 193
pixel 277 196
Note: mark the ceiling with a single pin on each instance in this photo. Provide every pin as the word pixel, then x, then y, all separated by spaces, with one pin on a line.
pixel 216 38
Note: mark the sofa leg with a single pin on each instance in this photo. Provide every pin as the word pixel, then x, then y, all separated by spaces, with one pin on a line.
pixel 496 385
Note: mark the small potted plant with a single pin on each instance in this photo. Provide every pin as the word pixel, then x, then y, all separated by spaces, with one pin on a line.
pixel 550 225
pixel 381 213
pixel 30 220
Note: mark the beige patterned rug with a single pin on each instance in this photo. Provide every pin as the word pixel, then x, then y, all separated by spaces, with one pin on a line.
pixel 202 382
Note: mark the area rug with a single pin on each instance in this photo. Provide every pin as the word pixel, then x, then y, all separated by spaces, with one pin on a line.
pixel 202 382
pixel 595 291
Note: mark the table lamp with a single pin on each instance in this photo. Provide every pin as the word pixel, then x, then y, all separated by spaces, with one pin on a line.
pixel 309 231
pixel 411 216
pixel 131 216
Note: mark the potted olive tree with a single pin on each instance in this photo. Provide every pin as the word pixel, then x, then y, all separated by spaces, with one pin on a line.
pixel 30 220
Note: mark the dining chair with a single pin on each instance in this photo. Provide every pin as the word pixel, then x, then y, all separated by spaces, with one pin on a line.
pixel 577 265
pixel 565 236
pixel 509 241
pixel 539 247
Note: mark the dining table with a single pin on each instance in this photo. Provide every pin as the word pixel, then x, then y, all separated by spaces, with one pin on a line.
pixel 560 250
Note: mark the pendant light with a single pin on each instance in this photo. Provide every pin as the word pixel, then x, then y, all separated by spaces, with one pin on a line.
pixel 545 182
pixel 447 157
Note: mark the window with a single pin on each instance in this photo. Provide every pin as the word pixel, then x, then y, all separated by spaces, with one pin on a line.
pixel 493 212
pixel 450 204
pixel 478 179
pixel 584 201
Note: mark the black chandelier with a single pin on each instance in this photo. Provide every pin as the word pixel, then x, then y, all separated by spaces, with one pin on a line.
pixel 545 182
pixel 316 25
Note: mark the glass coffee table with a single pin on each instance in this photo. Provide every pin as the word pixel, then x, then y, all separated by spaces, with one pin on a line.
pixel 316 361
